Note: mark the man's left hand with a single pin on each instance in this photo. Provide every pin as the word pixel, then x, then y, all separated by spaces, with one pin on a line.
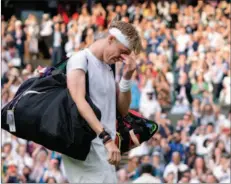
pixel 130 65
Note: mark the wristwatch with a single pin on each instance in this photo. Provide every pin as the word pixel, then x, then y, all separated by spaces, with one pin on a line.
pixel 105 136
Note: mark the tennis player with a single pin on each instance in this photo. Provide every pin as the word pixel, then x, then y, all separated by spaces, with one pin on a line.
pixel 121 44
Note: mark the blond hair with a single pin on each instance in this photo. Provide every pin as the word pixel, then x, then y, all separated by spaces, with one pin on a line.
pixel 131 33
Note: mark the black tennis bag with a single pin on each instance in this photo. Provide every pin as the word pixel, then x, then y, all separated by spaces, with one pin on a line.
pixel 45 113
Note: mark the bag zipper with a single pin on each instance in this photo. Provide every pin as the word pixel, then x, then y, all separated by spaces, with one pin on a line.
pixel 24 94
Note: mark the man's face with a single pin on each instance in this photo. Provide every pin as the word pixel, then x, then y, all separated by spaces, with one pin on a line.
pixel 113 51
pixel 186 117
pixel 134 161
pixel 176 158
pixel 57 26
pixel 156 159
pixel 7 148
pixel 177 137
pixel 145 159
pixel 192 148
pixel 208 108
pixel 209 129
pixel 184 179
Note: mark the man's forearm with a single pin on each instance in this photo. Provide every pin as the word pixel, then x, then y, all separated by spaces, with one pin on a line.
pixel 124 94
pixel 124 100
pixel 88 114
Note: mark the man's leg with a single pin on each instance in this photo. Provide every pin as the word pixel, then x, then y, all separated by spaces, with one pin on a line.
pixel 95 169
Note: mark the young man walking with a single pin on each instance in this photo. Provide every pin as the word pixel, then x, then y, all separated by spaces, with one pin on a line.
pixel 121 44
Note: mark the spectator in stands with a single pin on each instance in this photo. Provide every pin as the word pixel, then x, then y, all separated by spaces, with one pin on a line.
pixel 40 157
pixel 12 173
pixel 7 150
pixel 200 168
pixel 54 171
pixel 19 38
pixel 207 115
pixel 222 171
pixel 165 126
pixel 174 166
pixel 26 175
pixel 199 87
pixel 210 178
pixel 186 124
pixel 149 106
pixel 217 73
pixel 122 176
pixel 50 180
pixel 22 158
pixel 169 178
pixel 175 145
pixel 46 35
pixel 157 164
pixel 224 98
pixel 191 155
pixel 32 33
pixel 131 165
pixel 57 39
pixel 12 56
pixel 146 175
pixel 84 18
pixel 162 89
pixel 183 88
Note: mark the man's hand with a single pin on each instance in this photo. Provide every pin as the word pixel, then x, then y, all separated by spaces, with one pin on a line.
pixel 114 156
pixel 130 65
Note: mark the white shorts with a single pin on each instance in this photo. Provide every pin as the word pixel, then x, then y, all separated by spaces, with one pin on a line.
pixel 95 169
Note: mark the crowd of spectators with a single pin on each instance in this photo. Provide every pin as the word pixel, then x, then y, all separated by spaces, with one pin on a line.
pixel 183 69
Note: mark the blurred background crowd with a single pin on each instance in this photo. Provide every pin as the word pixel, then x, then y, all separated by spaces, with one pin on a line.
pixel 182 82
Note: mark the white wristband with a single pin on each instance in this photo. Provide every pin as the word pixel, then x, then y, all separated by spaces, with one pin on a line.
pixel 124 85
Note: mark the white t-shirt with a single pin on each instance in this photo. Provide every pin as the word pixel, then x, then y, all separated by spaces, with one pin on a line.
pixel 171 167
pixel 46 28
pixel 199 140
pixel 214 39
pixel 102 89
pixel 182 41
pixel 23 161
pixel 148 107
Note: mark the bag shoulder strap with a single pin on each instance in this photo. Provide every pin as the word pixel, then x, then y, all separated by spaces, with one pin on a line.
pixel 87 80
pixel 62 66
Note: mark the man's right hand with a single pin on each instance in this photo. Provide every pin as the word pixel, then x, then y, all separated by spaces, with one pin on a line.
pixel 114 156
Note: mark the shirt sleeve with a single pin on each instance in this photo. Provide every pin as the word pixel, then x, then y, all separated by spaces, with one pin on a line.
pixel 77 61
